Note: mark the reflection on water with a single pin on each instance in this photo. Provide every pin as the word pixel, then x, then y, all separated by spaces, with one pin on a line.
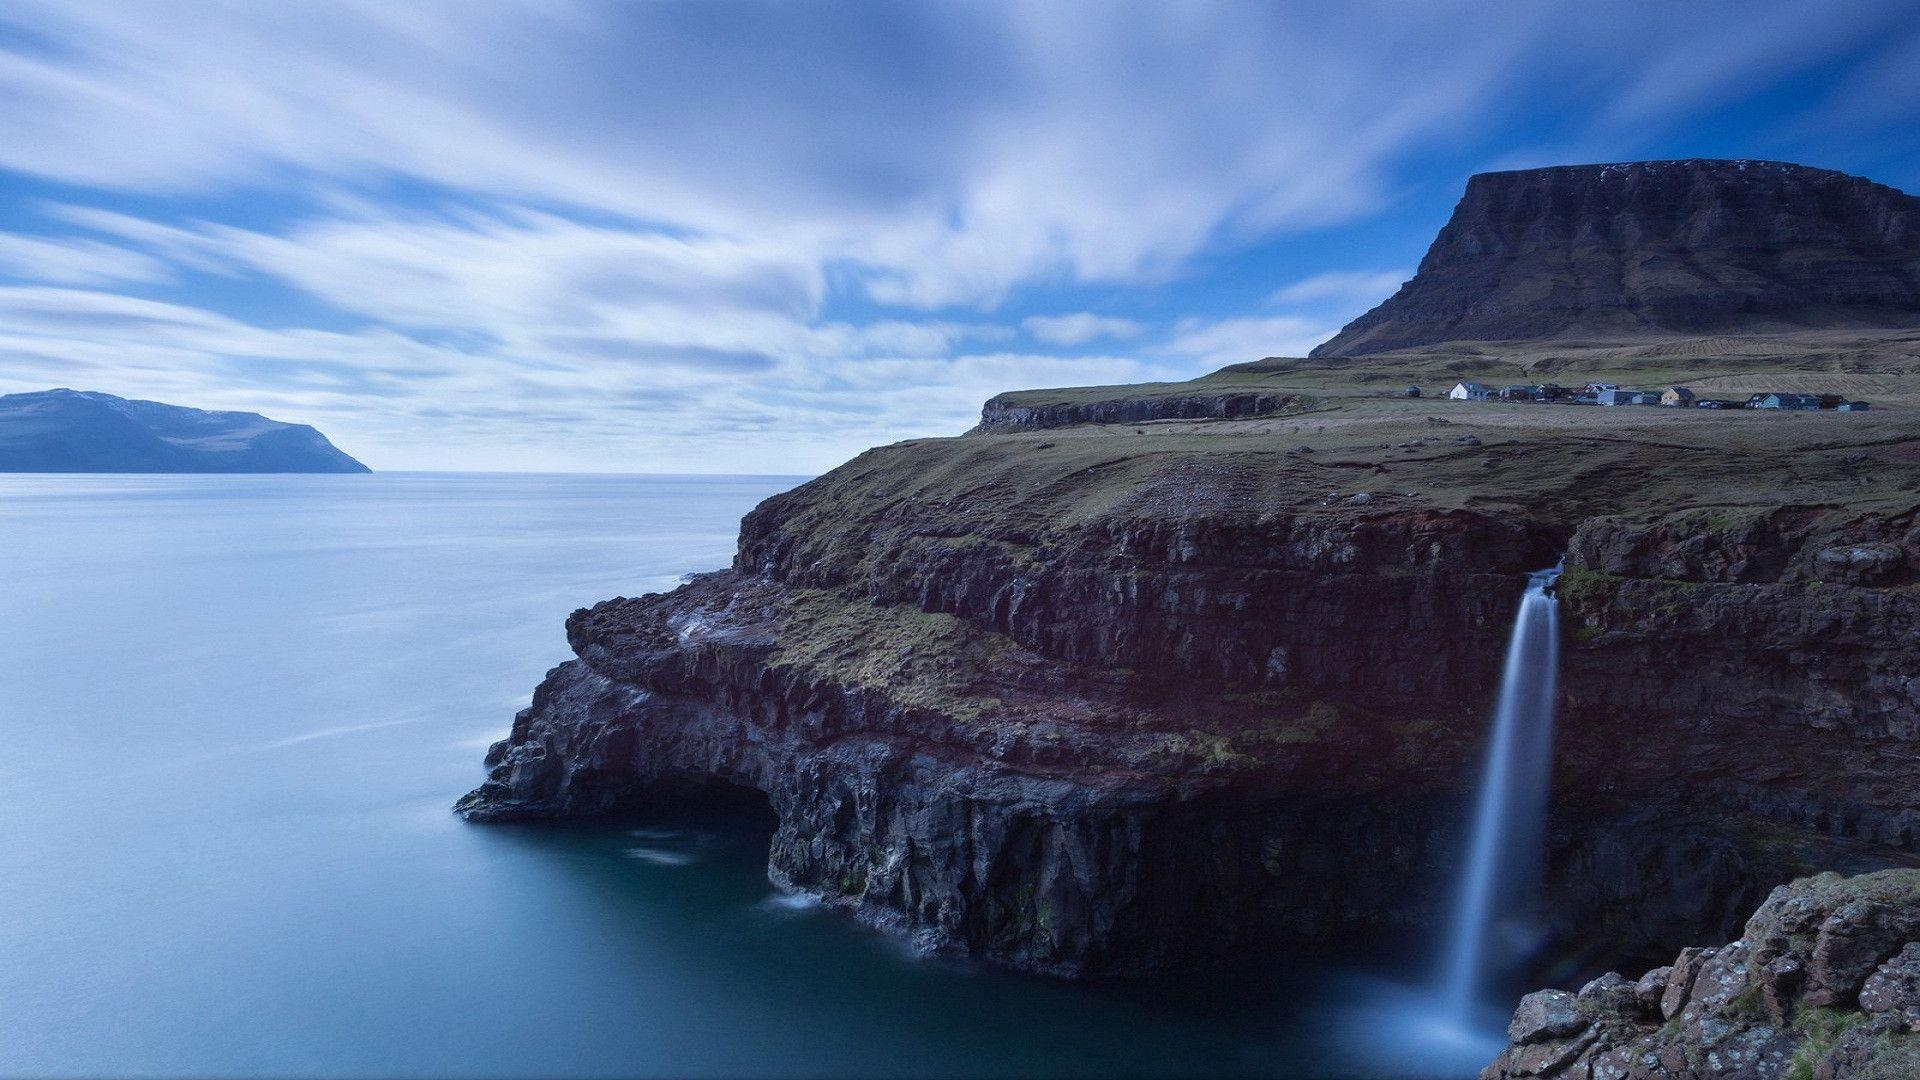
pixel 236 711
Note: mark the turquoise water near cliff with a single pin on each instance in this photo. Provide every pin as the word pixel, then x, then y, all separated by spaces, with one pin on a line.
pixel 234 712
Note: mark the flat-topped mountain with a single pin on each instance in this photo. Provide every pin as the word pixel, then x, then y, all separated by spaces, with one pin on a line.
pixel 1656 247
pixel 82 431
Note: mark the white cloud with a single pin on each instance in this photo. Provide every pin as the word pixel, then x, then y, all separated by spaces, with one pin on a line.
pixel 1078 328
pixel 71 261
pixel 1058 142
pixel 586 234
pixel 1234 341
pixel 1346 287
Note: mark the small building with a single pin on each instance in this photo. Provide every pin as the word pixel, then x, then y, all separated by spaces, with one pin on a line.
pixel 1598 388
pixel 1520 393
pixel 1677 397
pixel 1411 391
pixel 1851 406
pixel 1832 401
pixel 1807 402
pixel 1470 391
pixel 1617 396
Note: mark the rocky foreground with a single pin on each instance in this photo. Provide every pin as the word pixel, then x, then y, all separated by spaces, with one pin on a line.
pixel 1823 985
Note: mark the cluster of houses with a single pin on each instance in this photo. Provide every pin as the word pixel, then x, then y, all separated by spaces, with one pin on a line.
pixel 1673 397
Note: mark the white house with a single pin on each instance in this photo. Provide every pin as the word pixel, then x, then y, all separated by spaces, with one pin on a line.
pixel 1628 397
pixel 1470 391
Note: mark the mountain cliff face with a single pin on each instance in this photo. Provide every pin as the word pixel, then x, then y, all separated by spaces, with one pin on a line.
pixel 78 431
pixel 1655 247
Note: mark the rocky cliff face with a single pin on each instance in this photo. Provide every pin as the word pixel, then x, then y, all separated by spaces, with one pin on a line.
pixel 1655 247
pixel 1151 734
pixel 1010 412
pixel 1824 984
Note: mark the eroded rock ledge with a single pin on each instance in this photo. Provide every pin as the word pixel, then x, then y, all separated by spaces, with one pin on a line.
pixel 1152 732
pixel 1033 410
pixel 1824 984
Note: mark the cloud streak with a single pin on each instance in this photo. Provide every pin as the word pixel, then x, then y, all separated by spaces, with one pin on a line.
pixel 500 233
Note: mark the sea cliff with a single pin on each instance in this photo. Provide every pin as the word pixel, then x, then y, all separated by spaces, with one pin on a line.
pixel 1120 703
pixel 1133 679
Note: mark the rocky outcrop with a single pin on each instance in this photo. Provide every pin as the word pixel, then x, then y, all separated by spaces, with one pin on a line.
pixel 1655 247
pixel 1028 410
pixel 942 781
pixel 1824 983
pixel 1144 739
pixel 83 431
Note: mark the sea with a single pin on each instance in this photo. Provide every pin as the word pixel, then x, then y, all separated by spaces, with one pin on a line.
pixel 235 712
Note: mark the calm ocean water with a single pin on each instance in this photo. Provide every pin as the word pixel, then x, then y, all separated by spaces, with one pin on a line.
pixel 234 712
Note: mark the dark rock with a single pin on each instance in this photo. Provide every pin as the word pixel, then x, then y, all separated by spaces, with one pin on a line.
pixel 1780 983
pixel 1655 247
pixel 1610 993
pixel 1895 988
pixel 1650 989
pixel 1680 979
pixel 1544 1015
pixel 1019 412
pixel 1709 1024
pixel 1852 943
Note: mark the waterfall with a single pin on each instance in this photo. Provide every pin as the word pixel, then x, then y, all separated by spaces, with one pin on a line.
pixel 1504 858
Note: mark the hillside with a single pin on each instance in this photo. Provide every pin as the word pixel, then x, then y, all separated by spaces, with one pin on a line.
pixel 79 431
pixel 1656 248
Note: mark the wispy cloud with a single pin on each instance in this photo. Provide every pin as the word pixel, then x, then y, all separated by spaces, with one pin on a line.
pixel 72 261
pixel 1079 328
pixel 601 235
pixel 1348 287
pixel 1233 341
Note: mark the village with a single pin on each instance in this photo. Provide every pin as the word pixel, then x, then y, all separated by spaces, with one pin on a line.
pixel 1678 397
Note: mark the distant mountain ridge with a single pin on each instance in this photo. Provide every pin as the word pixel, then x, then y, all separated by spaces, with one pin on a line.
pixel 1656 247
pixel 85 431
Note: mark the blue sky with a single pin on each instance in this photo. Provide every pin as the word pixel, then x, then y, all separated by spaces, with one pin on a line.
pixel 501 234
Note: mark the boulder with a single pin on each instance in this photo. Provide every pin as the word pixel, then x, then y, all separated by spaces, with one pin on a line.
pixel 1894 988
pixel 1544 1015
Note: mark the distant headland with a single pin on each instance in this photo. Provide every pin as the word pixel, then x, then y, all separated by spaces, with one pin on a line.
pixel 84 431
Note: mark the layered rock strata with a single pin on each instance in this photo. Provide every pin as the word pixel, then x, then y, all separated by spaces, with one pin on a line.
pixel 1657 247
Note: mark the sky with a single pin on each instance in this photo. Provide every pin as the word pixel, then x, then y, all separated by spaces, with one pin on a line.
pixel 719 237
